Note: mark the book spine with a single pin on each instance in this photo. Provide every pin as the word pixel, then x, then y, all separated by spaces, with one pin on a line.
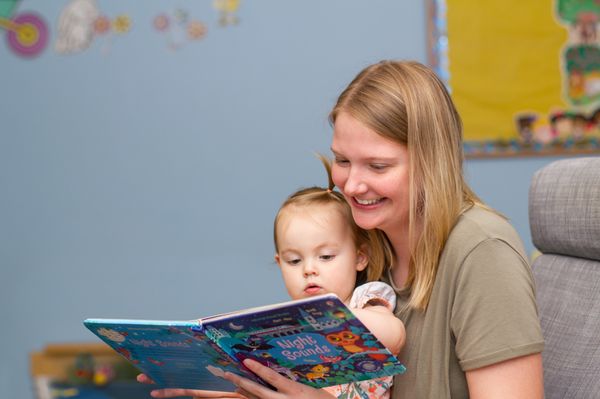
pixel 213 336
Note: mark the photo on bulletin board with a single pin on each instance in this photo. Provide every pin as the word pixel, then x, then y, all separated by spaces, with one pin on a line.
pixel 524 75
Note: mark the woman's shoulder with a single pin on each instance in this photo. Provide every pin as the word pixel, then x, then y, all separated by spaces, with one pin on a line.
pixel 479 224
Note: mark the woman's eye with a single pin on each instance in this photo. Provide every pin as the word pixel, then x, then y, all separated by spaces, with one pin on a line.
pixel 378 166
pixel 327 257
pixel 341 161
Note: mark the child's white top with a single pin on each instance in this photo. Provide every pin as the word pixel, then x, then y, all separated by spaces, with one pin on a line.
pixel 373 293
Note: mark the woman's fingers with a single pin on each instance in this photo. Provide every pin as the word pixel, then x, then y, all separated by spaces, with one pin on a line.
pixel 267 374
pixel 179 392
pixel 198 394
pixel 144 379
pixel 250 388
pixel 246 394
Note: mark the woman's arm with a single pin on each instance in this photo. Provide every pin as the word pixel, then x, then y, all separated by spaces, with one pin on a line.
pixel 518 378
pixel 384 325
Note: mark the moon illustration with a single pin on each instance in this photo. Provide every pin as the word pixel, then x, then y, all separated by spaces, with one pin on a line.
pixel 235 326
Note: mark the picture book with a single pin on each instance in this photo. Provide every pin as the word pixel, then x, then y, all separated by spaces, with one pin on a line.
pixel 316 341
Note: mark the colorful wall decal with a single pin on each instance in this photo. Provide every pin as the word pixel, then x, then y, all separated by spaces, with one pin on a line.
pixel 81 21
pixel 228 11
pixel 178 28
pixel 581 54
pixel 26 32
pixel 525 76
pixel 76 26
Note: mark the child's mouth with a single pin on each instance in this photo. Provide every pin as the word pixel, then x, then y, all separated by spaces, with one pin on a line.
pixel 312 289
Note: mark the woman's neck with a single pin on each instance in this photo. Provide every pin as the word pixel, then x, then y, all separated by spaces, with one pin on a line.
pixel 399 238
pixel 400 243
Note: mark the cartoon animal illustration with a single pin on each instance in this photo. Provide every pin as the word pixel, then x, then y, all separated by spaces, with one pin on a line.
pixel 317 372
pixel 346 340
pixel 352 343
pixel 27 32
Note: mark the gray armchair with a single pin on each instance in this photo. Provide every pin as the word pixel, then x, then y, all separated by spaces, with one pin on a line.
pixel 564 215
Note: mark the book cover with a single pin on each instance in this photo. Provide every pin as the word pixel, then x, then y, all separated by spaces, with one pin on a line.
pixel 316 341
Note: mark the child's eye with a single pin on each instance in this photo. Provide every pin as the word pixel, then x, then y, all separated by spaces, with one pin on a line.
pixel 293 261
pixel 341 161
pixel 327 257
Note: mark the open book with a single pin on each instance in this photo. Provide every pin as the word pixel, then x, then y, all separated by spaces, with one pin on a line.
pixel 316 341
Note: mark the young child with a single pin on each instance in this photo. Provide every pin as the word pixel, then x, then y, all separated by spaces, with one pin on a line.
pixel 319 250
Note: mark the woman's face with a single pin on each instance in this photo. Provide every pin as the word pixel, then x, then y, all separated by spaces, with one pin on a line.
pixel 372 173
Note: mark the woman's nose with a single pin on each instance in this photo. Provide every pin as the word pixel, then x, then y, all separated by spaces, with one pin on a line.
pixel 354 183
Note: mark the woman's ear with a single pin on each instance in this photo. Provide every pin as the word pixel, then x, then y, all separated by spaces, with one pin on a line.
pixel 362 258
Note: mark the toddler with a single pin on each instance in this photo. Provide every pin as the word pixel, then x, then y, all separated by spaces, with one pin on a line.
pixel 320 250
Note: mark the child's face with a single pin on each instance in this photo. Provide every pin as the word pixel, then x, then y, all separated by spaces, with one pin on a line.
pixel 317 254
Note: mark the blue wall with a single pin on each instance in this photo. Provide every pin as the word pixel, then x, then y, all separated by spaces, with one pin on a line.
pixel 142 182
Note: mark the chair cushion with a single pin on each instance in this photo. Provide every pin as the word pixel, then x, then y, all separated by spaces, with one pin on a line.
pixel 568 295
pixel 564 208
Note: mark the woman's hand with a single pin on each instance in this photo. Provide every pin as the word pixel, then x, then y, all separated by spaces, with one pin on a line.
pixel 247 389
pixel 286 388
pixel 180 392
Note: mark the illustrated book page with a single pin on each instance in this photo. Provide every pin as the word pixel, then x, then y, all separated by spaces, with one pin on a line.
pixel 316 341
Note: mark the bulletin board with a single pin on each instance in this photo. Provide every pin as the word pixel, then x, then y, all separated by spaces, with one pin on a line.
pixel 525 75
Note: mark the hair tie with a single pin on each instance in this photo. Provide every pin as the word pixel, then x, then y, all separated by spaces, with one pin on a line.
pixel 329 190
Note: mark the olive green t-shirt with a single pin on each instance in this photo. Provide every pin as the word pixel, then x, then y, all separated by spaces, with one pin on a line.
pixel 482 310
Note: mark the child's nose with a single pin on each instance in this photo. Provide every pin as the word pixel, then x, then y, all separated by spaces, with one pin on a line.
pixel 309 268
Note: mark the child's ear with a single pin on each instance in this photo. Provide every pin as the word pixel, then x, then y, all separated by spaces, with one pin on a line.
pixel 278 259
pixel 362 258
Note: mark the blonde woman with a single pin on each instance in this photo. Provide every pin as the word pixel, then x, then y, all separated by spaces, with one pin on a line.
pixel 464 286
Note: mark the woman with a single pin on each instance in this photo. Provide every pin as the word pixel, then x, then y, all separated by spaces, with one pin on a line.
pixel 465 289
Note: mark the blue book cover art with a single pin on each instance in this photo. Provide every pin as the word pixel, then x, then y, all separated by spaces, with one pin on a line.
pixel 316 341
pixel 174 354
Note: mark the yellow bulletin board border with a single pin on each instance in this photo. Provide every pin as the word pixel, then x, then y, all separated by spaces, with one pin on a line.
pixel 525 76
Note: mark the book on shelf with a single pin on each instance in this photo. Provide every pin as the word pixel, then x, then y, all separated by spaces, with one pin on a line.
pixel 316 341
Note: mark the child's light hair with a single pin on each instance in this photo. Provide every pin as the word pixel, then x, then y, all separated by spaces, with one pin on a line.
pixel 363 240
pixel 408 104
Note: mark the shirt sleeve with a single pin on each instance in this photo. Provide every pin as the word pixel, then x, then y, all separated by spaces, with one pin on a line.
pixel 494 312
pixel 373 293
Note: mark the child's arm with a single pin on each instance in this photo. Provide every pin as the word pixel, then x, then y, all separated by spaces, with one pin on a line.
pixel 384 325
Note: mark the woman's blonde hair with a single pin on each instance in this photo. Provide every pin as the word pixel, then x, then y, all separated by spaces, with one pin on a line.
pixel 363 239
pixel 407 103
